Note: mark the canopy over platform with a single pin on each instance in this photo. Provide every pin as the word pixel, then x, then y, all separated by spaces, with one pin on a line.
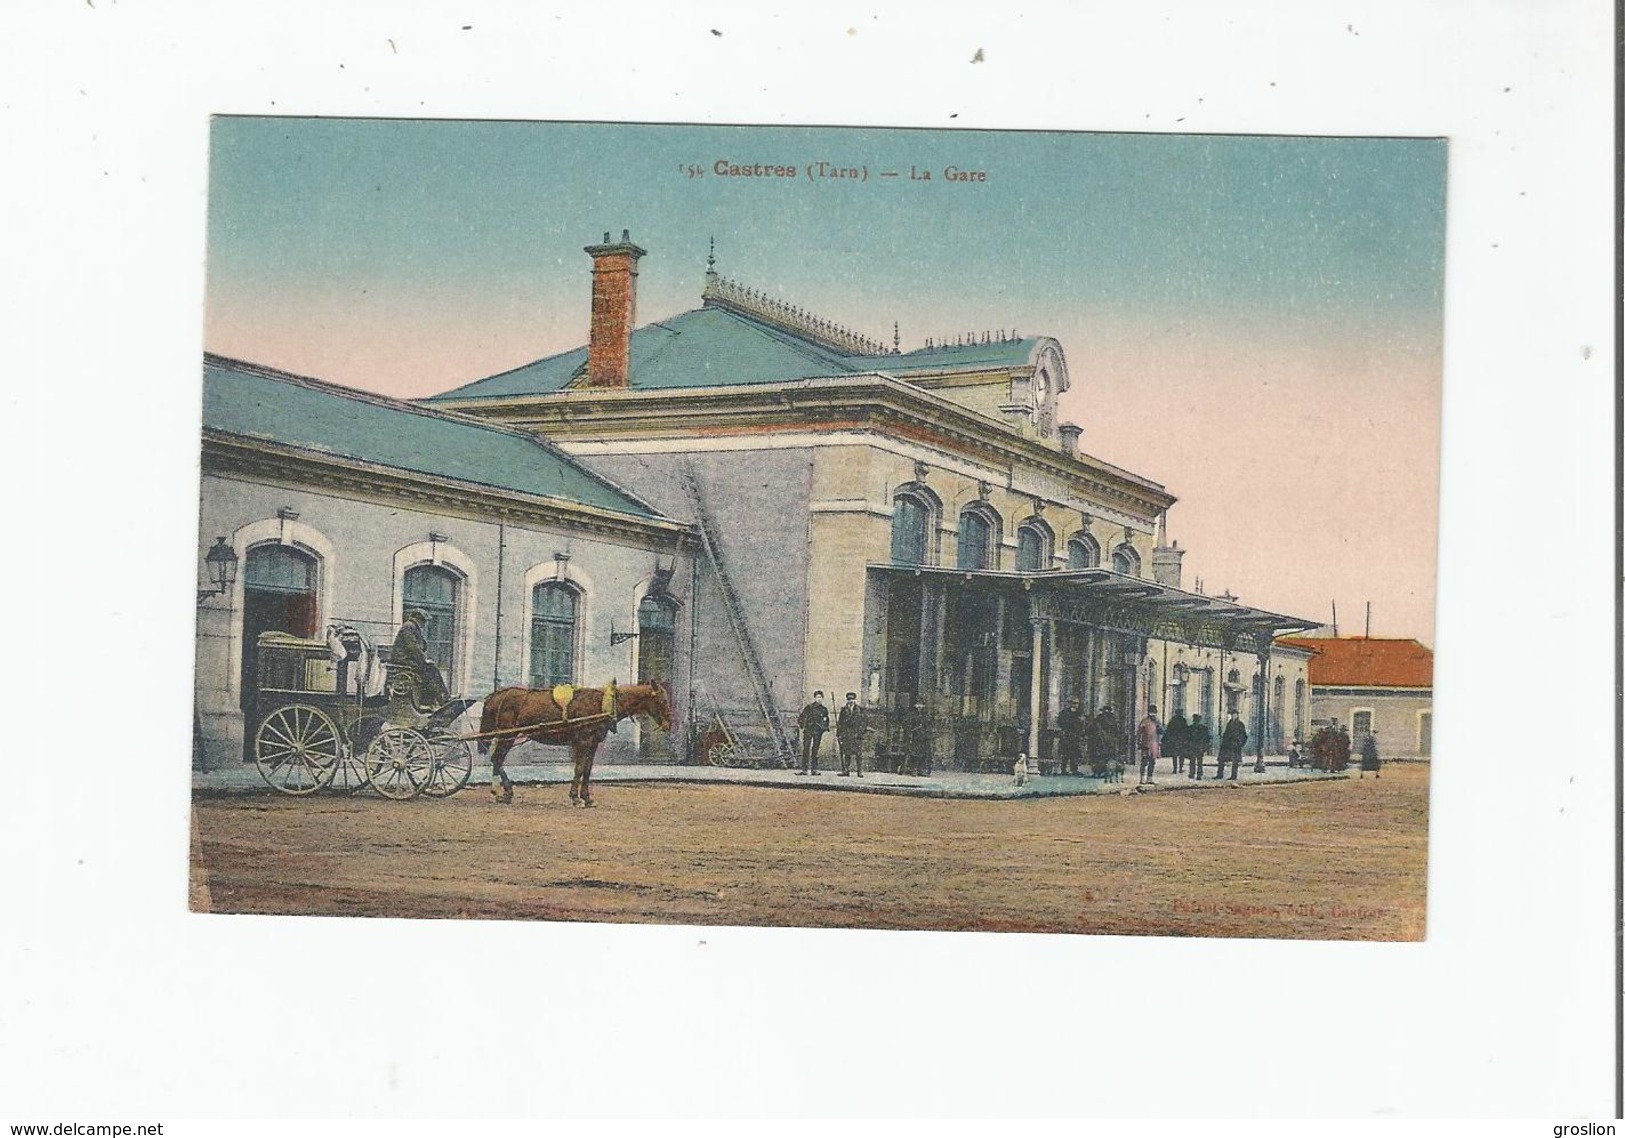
pixel 1102 598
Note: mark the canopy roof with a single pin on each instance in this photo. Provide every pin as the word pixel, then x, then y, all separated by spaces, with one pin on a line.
pixel 1107 599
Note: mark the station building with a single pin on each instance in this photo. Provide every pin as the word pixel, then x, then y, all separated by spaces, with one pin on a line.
pixel 918 527
pixel 1373 686
pixel 338 507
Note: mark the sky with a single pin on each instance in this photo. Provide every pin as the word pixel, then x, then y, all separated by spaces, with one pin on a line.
pixel 1254 322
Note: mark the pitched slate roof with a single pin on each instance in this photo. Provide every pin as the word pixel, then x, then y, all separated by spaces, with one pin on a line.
pixel 263 403
pixel 1356 661
pixel 715 346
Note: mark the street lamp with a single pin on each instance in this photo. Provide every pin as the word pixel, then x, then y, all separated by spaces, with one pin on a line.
pixel 222 562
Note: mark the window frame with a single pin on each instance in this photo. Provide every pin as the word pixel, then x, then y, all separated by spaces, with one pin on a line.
pixel 1086 542
pixel 450 667
pixel 1038 528
pixel 1131 556
pixel 931 508
pixel 982 514
pixel 572 590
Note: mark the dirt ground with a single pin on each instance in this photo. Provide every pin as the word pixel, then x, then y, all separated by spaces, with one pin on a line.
pixel 1331 860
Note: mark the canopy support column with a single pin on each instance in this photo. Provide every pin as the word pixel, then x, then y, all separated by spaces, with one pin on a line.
pixel 1035 708
pixel 1263 700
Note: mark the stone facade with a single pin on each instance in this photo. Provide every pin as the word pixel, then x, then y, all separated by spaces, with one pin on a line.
pixel 917 527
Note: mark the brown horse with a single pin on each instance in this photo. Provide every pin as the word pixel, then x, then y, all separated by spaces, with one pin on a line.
pixel 514 709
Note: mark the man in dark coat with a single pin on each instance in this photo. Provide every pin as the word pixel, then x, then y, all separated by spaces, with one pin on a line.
pixel 1368 756
pixel 410 656
pixel 1070 724
pixel 813 722
pixel 1173 741
pixel 849 734
pixel 1106 745
pixel 1198 742
pixel 1231 744
pixel 916 742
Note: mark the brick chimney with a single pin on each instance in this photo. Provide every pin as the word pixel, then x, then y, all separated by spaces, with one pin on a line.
pixel 614 311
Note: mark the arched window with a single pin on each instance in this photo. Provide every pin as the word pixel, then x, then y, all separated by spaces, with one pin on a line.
pixel 978 537
pixel 910 529
pixel 1298 692
pixel 1032 547
pixel 553 611
pixel 1153 694
pixel 435 591
pixel 1181 677
pixel 1082 552
pixel 1126 561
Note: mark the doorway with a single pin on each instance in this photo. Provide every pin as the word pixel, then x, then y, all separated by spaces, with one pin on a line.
pixel 279 595
pixel 657 654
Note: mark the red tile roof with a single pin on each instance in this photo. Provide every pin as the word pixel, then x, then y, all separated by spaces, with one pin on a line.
pixel 1355 661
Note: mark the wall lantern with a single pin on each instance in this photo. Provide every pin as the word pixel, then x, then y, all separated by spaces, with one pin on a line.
pixel 222 562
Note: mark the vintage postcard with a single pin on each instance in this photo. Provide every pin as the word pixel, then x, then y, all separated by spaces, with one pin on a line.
pixel 815 526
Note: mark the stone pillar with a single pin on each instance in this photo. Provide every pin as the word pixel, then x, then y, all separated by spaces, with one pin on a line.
pixel 1035 708
pixel 1263 702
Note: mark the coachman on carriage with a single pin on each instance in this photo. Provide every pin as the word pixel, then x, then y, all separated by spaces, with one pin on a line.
pixel 329 718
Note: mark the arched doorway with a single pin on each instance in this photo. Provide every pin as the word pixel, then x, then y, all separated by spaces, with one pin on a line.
pixel 657 655
pixel 279 595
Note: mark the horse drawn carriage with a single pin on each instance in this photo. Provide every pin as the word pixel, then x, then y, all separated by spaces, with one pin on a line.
pixel 319 728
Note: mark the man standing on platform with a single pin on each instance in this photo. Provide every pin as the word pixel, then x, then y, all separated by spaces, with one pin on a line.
pixel 916 742
pixel 814 721
pixel 849 734
pixel 1198 742
pixel 1070 723
pixel 1231 744
pixel 1149 737
pixel 1173 741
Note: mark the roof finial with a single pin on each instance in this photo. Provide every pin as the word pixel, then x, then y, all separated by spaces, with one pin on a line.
pixel 711 256
pixel 896 339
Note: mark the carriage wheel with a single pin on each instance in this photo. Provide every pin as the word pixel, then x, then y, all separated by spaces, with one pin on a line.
pixel 297 749
pixel 350 775
pixel 728 755
pixel 399 762
pixel 453 763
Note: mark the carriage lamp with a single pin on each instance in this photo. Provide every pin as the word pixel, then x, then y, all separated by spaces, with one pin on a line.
pixel 222 562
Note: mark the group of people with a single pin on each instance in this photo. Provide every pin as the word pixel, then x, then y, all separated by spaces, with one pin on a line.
pixel 1098 742
pixel 849 728
pixel 1330 750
